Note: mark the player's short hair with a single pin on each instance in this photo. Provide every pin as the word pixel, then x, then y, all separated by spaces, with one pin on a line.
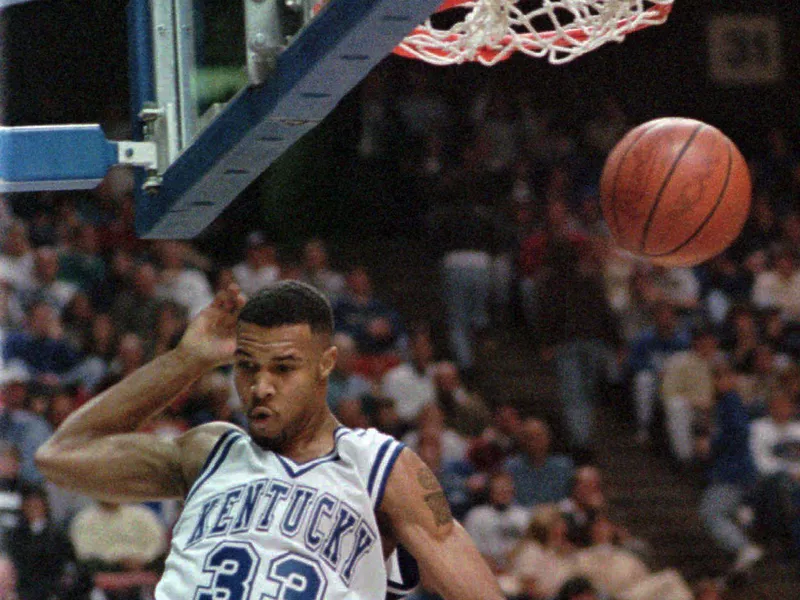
pixel 289 302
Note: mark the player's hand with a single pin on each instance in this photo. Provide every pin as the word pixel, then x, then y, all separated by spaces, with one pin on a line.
pixel 210 338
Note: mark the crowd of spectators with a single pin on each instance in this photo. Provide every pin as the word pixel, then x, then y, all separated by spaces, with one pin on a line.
pixel 708 356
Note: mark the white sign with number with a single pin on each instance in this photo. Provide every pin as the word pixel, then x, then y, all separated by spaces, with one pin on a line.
pixel 745 49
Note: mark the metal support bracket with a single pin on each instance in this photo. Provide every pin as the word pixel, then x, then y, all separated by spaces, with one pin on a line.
pixel 264 34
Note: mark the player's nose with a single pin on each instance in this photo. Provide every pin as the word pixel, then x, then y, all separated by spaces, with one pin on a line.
pixel 262 388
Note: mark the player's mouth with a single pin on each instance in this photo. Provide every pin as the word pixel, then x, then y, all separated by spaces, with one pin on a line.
pixel 260 415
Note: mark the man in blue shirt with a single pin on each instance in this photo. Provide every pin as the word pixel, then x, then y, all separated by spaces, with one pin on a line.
pixel 539 476
pixel 41 347
pixel 25 431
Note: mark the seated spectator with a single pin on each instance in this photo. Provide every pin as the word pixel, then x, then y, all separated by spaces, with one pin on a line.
pixel 41 552
pixel 544 560
pixel 344 381
pixel 25 432
pixel 430 422
pixel 559 226
pixel 687 392
pixel 618 573
pixel 179 282
pixel 11 314
pixel 540 477
pixel 646 359
pixel 41 347
pixel 136 309
pixel 10 493
pixel 46 286
pixel 677 287
pixel 464 411
pixel 79 263
pixel 170 324
pixel 779 287
pixel 497 526
pixel 62 404
pixel 259 267
pixel 16 256
pixel 765 370
pixel 498 440
pixel 317 271
pixel 585 502
pixel 740 335
pixel 117 537
pixel 128 358
pixel 118 277
pixel 77 319
pixel 376 328
pixel 724 283
pixel 732 475
pixel 411 383
pixel 99 350
pixel 775 445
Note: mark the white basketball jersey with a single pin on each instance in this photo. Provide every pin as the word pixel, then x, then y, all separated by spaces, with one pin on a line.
pixel 258 526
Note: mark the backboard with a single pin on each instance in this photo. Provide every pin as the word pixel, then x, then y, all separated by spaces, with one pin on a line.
pixel 219 90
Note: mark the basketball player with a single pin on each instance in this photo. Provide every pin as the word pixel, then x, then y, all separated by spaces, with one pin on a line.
pixel 299 507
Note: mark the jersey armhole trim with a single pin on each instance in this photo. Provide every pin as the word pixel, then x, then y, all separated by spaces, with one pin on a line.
pixel 214 459
pixel 392 457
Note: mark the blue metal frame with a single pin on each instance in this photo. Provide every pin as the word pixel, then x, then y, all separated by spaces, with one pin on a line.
pixel 326 60
pixel 54 157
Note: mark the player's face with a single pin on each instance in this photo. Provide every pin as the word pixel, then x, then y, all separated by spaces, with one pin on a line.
pixel 280 375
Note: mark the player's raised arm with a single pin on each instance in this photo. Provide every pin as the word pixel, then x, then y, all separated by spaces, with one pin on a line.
pixel 97 450
pixel 419 516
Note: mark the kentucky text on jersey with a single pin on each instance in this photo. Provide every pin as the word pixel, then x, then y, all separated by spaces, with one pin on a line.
pixel 325 524
pixel 258 526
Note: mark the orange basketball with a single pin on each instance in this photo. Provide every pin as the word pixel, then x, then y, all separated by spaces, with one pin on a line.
pixel 675 191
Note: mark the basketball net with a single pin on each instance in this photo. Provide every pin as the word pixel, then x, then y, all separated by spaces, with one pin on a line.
pixel 560 30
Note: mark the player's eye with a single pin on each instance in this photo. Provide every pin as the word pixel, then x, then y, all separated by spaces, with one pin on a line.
pixel 246 366
pixel 283 369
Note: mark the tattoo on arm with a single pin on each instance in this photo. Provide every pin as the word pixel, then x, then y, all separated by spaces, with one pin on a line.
pixel 427 479
pixel 435 500
pixel 439 507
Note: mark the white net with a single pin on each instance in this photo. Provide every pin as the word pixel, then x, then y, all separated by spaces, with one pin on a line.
pixel 560 30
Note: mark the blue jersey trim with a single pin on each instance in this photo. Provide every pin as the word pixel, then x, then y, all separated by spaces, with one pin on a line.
pixel 409 573
pixel 373 472
pixel 388 471
pixel 295 470
pixel 217 456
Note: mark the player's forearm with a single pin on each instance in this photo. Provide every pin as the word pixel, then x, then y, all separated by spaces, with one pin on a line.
pixel 462 573
pixel 126 406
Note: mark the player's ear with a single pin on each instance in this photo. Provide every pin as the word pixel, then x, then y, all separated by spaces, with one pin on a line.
pixel 328 361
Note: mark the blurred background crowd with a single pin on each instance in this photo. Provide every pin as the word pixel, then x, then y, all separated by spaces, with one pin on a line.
pixel 498 198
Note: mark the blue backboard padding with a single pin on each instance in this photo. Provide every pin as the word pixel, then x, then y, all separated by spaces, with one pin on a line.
pixel 326 60
pixel 48 154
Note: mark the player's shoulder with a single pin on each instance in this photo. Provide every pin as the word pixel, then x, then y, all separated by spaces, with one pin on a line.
pixel 203 445
pixel 209 434
pixel 370 442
